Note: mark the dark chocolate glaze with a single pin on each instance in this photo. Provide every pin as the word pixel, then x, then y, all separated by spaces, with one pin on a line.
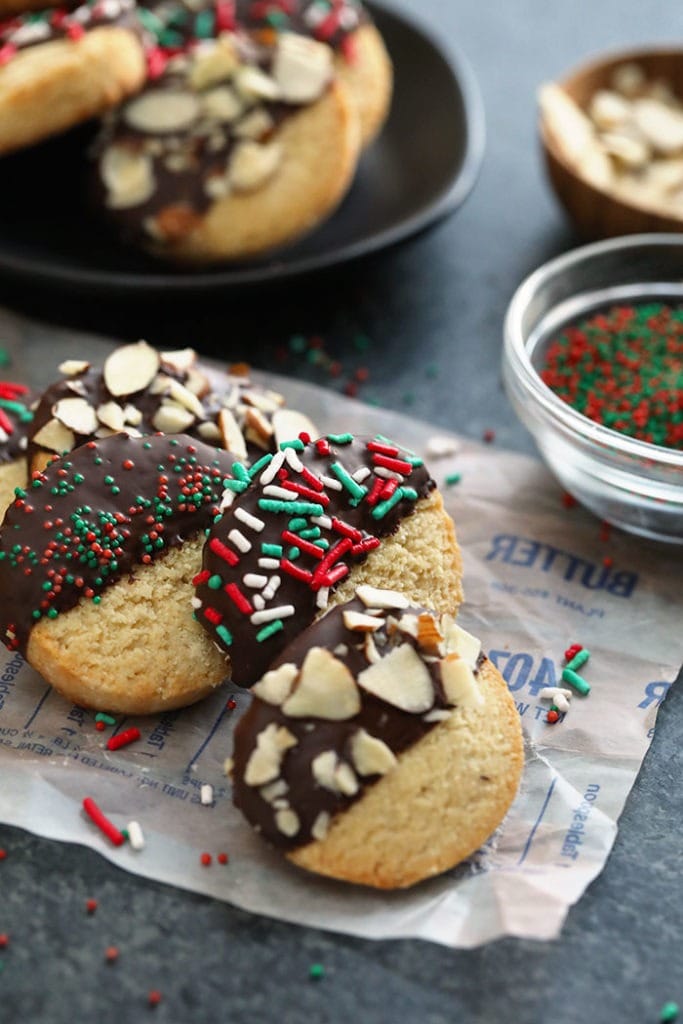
pixel 90 384
pixel 249 656
pixel 17 409
pixel 398 729
pixel 95 515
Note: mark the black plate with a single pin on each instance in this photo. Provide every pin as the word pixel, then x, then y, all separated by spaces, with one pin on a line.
pixel 420 169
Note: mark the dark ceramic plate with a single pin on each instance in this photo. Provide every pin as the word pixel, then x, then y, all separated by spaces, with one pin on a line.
pixel 420 169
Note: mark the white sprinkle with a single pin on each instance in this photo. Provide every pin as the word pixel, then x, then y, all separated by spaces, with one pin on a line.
pixel 323 521
pixel 3 436
pixel 271 470
pixel 196 602
pixel 206 795
pixel 439 447
pixel 258 601
pixel 361 474
pixel 240 541
pixel 251 521
pixel 551 692
pixel 332 483
pixel 293 460
pixel 322 597
pixel 561 702
pixel 254 580
pixel 268 563
pixel 135 836
pixel 374 597
pixel 387 474
pixel 271 589
pixel 284 611
pixel 279 492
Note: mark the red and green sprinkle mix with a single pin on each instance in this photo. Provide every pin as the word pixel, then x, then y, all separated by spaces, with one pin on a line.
pixel 623 368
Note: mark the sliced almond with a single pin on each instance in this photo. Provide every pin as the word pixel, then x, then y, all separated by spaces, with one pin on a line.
pixel 326 689
pixel 321 826
pixel 111 415
pixel 253 83
pixel 370 755
pixel 171 418
pixel 180 359
pixel 253 164
pixel 608 110
pixel 276 685
pixel 632 153
pixel 71 367
pixel 357 622
pixel 273 790
pixel 255 419
pixel 437 715
pixel 302 67
pixel 209 431
pixel 77 414
pixel 460 641
pixel 266 401
pixel 333 774
pixel 231 436
pixel 401 679
pixel 257 124
pixel 429 635
pixel 131 368
pixel 128 177
pixel 55 437
pixel 132 415
pixel 370 649
pixel 661 126
pixel 197 382
pixel 373 597
pixel 215 64
pixel 629 79
pixel 264 763
pixel 183 396
pixel 574 134
pixel 289 423
pixel 459 683
pixel 162 111
pixel 222 104
pixel 287 822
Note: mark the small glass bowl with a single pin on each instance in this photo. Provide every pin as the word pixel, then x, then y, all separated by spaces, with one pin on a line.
pixel 633 484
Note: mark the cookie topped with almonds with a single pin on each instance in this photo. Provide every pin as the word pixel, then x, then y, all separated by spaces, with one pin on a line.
pixel 340 717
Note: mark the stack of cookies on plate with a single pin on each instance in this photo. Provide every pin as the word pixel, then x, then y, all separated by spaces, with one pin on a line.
pixel 169 530
pixel 230 127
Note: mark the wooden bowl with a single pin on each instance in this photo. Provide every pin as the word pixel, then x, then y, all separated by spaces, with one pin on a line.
pixel 595 212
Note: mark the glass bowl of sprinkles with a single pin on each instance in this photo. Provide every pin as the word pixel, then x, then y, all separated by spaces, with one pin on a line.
pixel 593 366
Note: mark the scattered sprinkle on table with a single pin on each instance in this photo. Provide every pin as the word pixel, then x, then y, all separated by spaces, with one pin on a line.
pixel 453 478
pixel 316 972
pixel 107 827
pixel 111 954
pixel 623 368
pixel 3 854
pixel 4 940
pixel 668 1013
pixel 489 436
pixel 154 998
pixel 123 739
pixel 205 860
pixel 91 906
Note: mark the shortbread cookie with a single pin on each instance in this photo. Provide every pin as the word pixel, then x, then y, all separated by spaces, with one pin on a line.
pixel 98 557
pixel 301 529
pixel 15 421
pixel 61 67
pixel 382 748
pixel 141 391
pixel 231 152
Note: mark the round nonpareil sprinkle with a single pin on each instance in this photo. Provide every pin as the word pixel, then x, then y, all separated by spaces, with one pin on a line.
pixel 91 906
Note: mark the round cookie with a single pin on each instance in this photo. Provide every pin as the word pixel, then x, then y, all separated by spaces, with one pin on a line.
pixel 234 150
pixel 142 391
pixel 98 557
pixel 382 748
pixel 63 66
pixel 15 420
pixel 301 529
pixel 368 75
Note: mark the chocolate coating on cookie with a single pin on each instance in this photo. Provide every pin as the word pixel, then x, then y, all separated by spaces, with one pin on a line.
pixel 16 418
pixel 90 518
pixel 294 525
pixel 350 694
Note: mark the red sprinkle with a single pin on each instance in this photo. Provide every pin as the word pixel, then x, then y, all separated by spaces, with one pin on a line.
pixel 568 500
pixel 111 954
pixel 123 739
pixel 572 651
pixel 103 823
pixel 488 436
pixel 100 726
pixel 222 858
pixel 91 906
pixel 232 704
pixel 4 940
pixel 608 562
pixel 154 998
pixel 552 717
pixel 3 854
pixel 206 859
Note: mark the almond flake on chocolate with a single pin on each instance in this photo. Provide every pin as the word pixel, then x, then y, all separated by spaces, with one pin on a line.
pixel 228 766
pixel 357 622
pixel 273 790
pixel 429 636
pixel 401 679
pixel 370 649
pixel 302 67
pixel 266 401
pixel 373 597
pixel 132 415
pixel 77 414
pixel 321 826
pixel 209 431
pixel 171 418
pixel 326 689
pixel 253 83
pixel 71 367
pixel 180 359
pixel 231 435
pixel 264 763
pixel 257 422
pixel 130 368
pixel 252 164
pixel 186 398
pixel 215 64
pixel 55 437
pixel 287 822
pixel 216 186
pixel 128 177
pixel 276 685
pixel 370 755
pixel 459 683
pixel 437 715
pixel 111 415
pixel 222 104
pixel 289 423
pixel 257 124
pixel 162 110
pixel 197 382
pixel 333 774
pixel 460 641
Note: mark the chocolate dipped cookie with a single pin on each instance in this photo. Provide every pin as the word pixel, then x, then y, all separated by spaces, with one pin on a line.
pixel 301 529
pixel 98 556
pixel 15 420
pixel 61 66
pixel 381 748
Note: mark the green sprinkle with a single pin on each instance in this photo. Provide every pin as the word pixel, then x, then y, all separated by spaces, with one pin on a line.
pixel 204 25
pixel 297 343
pixel 410 493
pixel 107 719
pixel 453 478
pixel 311 534
pixel 214 582
pixel 578 660
pixel 237 486
pixel 669 1013
pixel 258 466
pixel 575 680
pixel 269 630
pixel 273 550
pixel 5 358
pixel 316 972
pixel 340 438
pixel 297 444
pixel 345 478
pixel 306 508
pixel 379 511
pixel 241 472
pixel 299 523
pixel 293 553
pixel 225 635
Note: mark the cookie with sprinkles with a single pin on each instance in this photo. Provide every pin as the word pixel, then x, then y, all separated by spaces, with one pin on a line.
pixel 141 391
pixel 381 748
pixel 16 416
pixel 98 555
pixel 234 149
pixel 302 528
pixel 61 66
